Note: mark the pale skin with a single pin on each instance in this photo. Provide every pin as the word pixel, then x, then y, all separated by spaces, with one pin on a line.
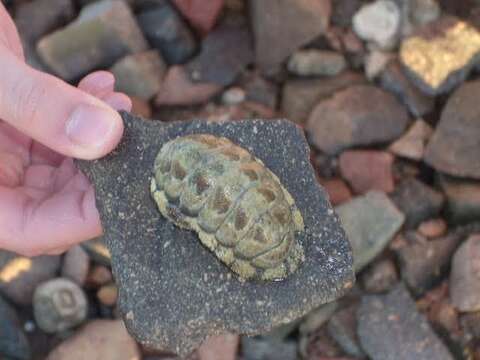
pixel 46 204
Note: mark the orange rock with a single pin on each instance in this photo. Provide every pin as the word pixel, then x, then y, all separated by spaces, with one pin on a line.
pixel 337 190
pixel 433 228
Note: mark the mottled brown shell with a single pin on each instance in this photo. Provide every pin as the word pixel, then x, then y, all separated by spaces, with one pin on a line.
pixel 238 207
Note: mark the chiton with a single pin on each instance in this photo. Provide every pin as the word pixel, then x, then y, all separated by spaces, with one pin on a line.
pixel 236 205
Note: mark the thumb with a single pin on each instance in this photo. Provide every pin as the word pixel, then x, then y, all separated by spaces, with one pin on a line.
pixel 55 113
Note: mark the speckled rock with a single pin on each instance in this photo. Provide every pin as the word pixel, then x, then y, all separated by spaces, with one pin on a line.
pixel 370 222
pixel 19 275
pixel 172 292
pixel 454 147
pixel 13 342
pixel 440 55
pixel 390 328
pixel 357 115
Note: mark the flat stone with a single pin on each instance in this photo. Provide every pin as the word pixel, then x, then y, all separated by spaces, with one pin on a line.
pixel 163 272
pixel 463 199
pixel 417 201
pixel 337 189
pixel 394 80
pixel 465 276
pixel 380 277
pixel 312 62
pixel 267 349
pixel 370 222
pixel 299 96
pixel 108 294
pixel 104 32
pixel 178 89
pixel 98 340
pixel 367 170
pixel 166 31
pixel 19 275
pixel 280 33
pixel 454 146
pixel 37 18
pixel 358 115
pixel 378 22
pixel 97 250
pixel 440 55
pixel 13 342
pixel 412 144
pixel 225 53
pixel 202 15
pixel 76 265
pixel 221 347
pixel 390 327
pixel 140 74
pixel 342 328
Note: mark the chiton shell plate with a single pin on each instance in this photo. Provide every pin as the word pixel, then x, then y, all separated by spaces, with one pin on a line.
pixel 237 206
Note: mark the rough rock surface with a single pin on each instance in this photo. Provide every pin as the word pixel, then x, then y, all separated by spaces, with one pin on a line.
pixel 390 328
pixel 358 115
pixel 279 34
pixel 455 145
pixel 172 292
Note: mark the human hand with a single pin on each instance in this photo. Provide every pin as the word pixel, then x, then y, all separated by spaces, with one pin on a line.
pixel 46 204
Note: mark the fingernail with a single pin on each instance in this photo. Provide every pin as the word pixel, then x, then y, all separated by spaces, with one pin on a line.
pixel 89 125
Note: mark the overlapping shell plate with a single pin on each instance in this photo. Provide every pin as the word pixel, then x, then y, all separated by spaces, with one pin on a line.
pixel 237 206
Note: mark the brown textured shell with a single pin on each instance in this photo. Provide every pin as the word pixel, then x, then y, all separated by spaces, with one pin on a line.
pixel 238 207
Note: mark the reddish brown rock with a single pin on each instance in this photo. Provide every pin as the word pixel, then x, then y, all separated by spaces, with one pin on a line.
pixel 201 14
pixel 433 228
pixel 108 294
pixel 367 170
pixel 178 89
pixel 222 347
pixel 141 107
pixel 337 190
pixel 99 275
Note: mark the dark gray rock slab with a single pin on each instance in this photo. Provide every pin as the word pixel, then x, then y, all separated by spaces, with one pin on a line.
pixel 172 292
pixel 391 328
pixel 13 342
pixel 455 144
pixel 463 198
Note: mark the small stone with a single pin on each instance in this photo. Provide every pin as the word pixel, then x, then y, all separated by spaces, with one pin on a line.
pixel 108 295
pixel 301 95
pixel 343 11
pixel 367 170
pixel 424 11
pixel 424 263
pixel 454 146
pixel 389 327
pixel 59 305
pixel 221 347
pixel 433 228
pixel 338 191
pixel 141 107
pixel 378 22
pixel 441 54
pixel 233 96
pixel 140 74
pixel 315 319
pixel 19 275
pixel 380 277
pixel 412 144
pixel 76 265
pixel 342 328
pixel 98 340
pixel 97 251
pixel 37 18
pixel 319 345
pixel 99 275
pixel 370 222
pixel 316 63
pixel 463 199
pixel 13 342
pixel 263 349
pixel 375 62
pixel 178 89
pixel 470 323
pixel 225 53
pixel 260 90
pixel 166 31
pixel 394 80
pixel 280 33
pixel 103 33
pixel 202 15
pixel 417 201
pixel 465 276
pixel 358 115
